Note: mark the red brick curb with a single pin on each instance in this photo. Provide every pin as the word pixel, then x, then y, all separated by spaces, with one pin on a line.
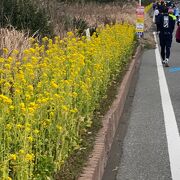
pixel 94 168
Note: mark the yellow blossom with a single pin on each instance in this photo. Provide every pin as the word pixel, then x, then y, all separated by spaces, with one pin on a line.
pixel 64 108
pixel 27 129
pixel 1 60
pixel 7 66
pixel 74 94
pixel 9 126
pixel 30 87
pixel 15 52
pixel 59 127
pixel 36 131
pixel 28 97
pixel 74 110
pixel 22 105
pixel 11 108
pixel 21 151
pixel 7 85
pixel 5 50
pixel 54 85
pixel 5 99
pixel 30 138
pixel 19 126
pixel 13 156
pixel 17 91
pixel 29 157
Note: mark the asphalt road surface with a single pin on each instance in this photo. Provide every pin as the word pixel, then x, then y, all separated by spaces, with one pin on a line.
pixel 147 142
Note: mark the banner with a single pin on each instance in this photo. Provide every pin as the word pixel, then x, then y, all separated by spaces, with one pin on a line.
pixel 140 21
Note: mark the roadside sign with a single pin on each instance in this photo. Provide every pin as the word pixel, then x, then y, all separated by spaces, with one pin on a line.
pixel 140 21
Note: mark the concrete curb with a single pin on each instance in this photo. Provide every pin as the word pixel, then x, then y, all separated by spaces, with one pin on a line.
pixel 96 164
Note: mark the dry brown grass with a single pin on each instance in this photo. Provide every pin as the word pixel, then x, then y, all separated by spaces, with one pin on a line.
pixel 92 13
pixel 12 39
pixel 148 40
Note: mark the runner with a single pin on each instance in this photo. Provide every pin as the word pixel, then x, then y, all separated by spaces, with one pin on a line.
pixel 167 24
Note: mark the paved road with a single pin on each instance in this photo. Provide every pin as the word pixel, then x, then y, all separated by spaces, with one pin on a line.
pixel 147 140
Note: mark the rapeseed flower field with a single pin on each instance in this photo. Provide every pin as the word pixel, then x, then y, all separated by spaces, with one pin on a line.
pixel 47 97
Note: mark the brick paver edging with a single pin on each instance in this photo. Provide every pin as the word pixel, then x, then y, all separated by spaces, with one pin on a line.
pixel 95 166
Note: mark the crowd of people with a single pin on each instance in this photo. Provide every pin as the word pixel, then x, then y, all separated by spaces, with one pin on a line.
pixel 166 16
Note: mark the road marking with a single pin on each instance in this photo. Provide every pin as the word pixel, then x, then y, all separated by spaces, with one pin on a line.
pixel 174 69
pixel 172 133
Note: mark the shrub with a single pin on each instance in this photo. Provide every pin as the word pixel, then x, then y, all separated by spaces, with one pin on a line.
pixel 48 97
pixel 22 14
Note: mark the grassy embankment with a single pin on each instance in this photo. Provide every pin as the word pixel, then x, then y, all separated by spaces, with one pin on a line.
pixel 52 94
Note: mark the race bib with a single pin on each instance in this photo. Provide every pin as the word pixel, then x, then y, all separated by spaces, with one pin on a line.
pixel 166 22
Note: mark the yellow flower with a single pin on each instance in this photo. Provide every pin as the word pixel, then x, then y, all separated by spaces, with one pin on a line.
pixel 1 60
pixel 29 157
pixel 15 52
pixel 28 129
pixel 70 34
pixel 28 97
pixel 51 114
pixel 64 108
pixel 11 108
pixel 7 85
pixel 30 87
pixel 21 151
pixel 19 126
pixel 22 105
pixel 57 96
pixel 7 66
pixel 9 126
pixel 5 99
pixel 30 138
pixel 26 52
pixel 13 157
pixel 36 131
pixel 59 127
pixel 17 91
pixel 54 85
pixel 31 50
pixel 74 94
pixel 5 50
pixel 45 39
pixel 39 85
pixel 74 110
pixel 32 40
pixel 23 110
pixel 44 75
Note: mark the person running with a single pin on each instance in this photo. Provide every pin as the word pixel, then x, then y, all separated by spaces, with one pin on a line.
pixel 166 25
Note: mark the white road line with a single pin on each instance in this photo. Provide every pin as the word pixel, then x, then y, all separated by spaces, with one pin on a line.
pixel 172 133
